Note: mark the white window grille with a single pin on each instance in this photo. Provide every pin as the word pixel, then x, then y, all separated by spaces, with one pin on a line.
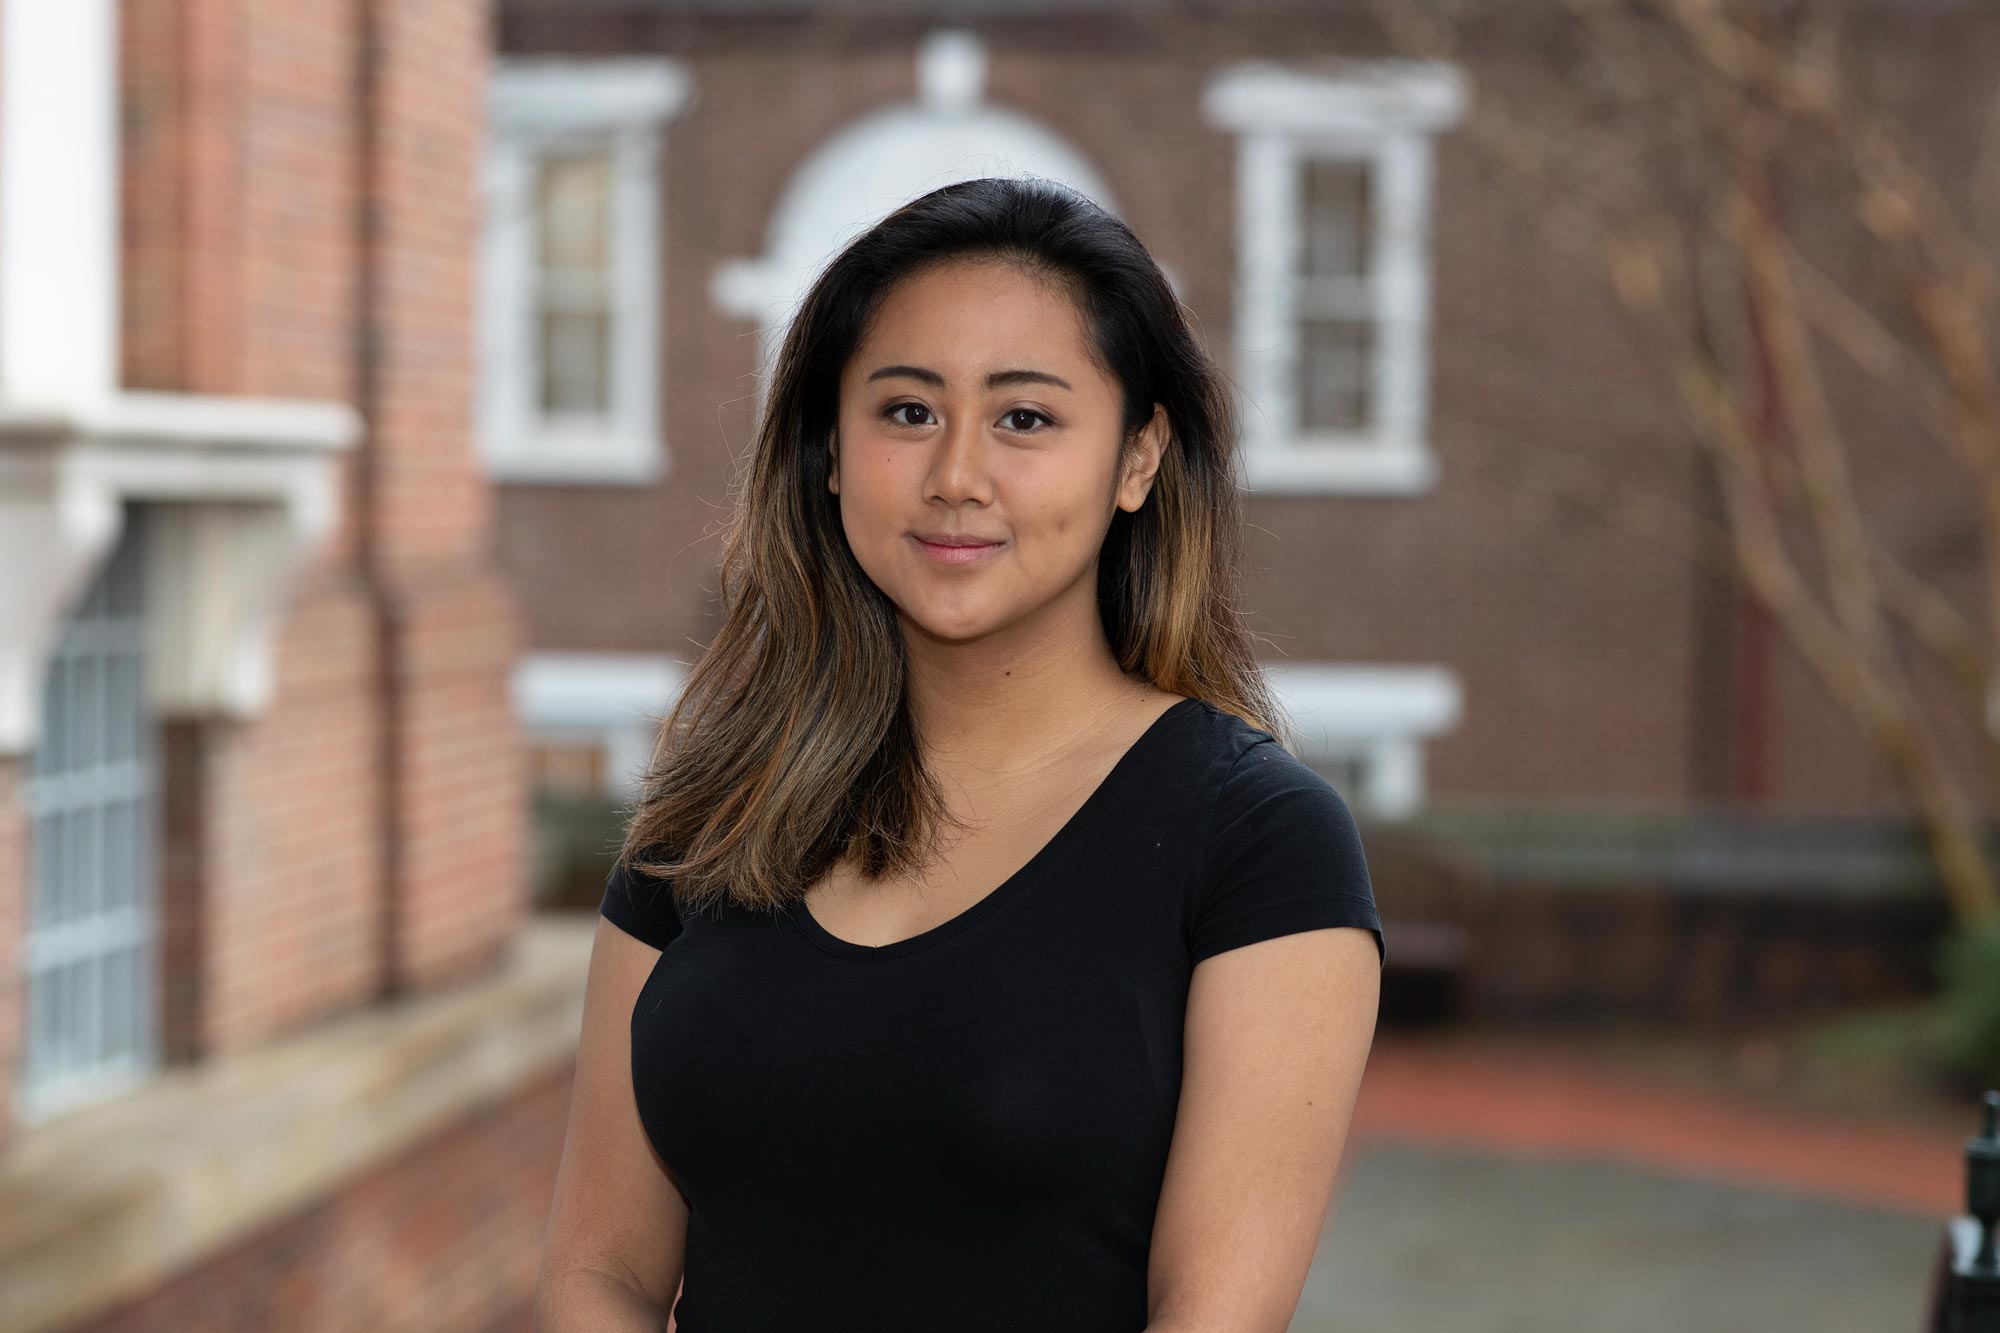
pixel 90 945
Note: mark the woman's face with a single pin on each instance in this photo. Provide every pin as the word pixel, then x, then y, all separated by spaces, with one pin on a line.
pixel 972 411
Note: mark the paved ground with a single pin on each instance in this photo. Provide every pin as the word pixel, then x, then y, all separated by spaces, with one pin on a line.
pixel 1454 1238
pixel 1490 1189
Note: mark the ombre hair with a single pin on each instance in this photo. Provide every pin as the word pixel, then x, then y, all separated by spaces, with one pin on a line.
pixel 791 745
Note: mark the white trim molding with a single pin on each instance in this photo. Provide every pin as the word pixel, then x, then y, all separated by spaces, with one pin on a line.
pixel 539 106
pixel 58 200
pixel 251 485
pixel 950 132
pixel 608 699
pixel 251 492
pixel 1381 115
pixel 1377 717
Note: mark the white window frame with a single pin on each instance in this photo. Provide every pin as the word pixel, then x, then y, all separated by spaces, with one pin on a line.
pixel 537 106
pixel 610 700
pixel 1384 113
pixel 1380 714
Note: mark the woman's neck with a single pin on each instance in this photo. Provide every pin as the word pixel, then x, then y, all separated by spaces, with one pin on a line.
pixel 1015 707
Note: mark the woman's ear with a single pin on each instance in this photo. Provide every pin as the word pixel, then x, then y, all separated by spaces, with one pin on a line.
pixel 1149 445
pixel 833 457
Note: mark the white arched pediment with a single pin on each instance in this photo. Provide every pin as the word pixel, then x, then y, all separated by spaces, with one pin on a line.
pixel 881 162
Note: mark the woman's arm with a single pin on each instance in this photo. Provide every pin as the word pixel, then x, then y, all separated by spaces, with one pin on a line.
pixel 577 1299
pixel 611 1258
pixel 1277 1034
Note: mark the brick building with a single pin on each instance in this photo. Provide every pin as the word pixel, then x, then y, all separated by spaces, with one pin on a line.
pixel 269 1028
pixel 370 374
pixel 1413 352
pixel 1444 413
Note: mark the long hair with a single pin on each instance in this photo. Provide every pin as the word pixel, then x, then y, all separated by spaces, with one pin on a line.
pixel 791 745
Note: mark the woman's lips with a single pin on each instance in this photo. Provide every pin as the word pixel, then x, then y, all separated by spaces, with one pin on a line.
pixel 956 555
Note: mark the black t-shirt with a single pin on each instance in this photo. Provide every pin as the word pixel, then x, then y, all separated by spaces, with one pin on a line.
pixel 967 1129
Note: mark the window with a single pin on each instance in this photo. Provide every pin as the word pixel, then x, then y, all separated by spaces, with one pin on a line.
pixel 1364 727
pixel 92 929
pixel 569 376
pixel 1332 296
pixel 591 718
pixel 572 312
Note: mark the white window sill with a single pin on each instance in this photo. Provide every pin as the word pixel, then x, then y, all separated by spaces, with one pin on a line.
pixel 1379 713
pixel 593 690
pixel 1340 469
pixel 623 465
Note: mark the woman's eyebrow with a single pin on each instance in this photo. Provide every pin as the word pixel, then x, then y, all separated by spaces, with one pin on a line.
pixel 993 381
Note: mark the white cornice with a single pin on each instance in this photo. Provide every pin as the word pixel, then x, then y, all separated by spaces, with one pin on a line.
pixel 248 493
pixel 1367 96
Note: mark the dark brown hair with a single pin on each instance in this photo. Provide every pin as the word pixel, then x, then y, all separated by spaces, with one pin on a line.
pixel 791 743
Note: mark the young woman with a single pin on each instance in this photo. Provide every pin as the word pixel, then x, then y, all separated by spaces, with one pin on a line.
pixel 978 958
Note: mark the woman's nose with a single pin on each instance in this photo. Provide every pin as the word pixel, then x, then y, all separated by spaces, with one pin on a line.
pixel 959 465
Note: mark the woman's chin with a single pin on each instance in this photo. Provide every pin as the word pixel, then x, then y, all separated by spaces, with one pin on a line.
pixel 949 627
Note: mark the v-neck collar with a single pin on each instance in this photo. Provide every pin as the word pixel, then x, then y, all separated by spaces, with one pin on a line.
pixel 808 925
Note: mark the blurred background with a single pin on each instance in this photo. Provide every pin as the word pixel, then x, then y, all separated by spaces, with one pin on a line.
pixel 1621 426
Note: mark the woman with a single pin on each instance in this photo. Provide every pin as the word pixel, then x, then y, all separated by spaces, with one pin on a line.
pixel 923 995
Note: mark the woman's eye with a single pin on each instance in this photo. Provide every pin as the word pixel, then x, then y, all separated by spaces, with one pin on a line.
pixel 1020 419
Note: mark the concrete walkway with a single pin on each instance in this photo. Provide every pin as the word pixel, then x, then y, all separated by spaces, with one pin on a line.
pixel 1455 1238
pixel 1492 1190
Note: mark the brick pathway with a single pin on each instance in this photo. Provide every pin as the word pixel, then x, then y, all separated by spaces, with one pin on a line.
pixel 1528 1098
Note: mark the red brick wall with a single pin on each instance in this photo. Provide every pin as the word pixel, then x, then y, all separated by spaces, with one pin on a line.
pixel 1592 663
pixel 286 913
pixel 457 811
pixel 444 1238
pixel 289 203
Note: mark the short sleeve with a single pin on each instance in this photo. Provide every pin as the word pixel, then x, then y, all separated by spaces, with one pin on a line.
pixel 1282 855
pixel 640 905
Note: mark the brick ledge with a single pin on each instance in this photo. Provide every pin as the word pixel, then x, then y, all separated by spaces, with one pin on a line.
pixel 102 1205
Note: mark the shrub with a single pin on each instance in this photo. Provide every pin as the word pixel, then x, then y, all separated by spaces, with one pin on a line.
pixel 1969 981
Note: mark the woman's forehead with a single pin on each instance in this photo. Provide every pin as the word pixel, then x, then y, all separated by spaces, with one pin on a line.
pixel 969 327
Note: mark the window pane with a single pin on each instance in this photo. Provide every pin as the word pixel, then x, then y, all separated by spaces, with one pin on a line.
pixel 90 1009
pixel 42 1020
pixel 1334 374
pixel 1336 223
pixel 86 705
pixel 121 854
pixel 575 355
pixel 573 211
pixel 51 753
pixel 82 890
pixel 121 1000
pixel 48 853
pixel 125 707
pixel 57 1016
pixel 67 855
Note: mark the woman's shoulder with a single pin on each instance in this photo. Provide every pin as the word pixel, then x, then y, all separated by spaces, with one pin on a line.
pixel 1279 848
pixel 1248 770
pixel 1224 737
